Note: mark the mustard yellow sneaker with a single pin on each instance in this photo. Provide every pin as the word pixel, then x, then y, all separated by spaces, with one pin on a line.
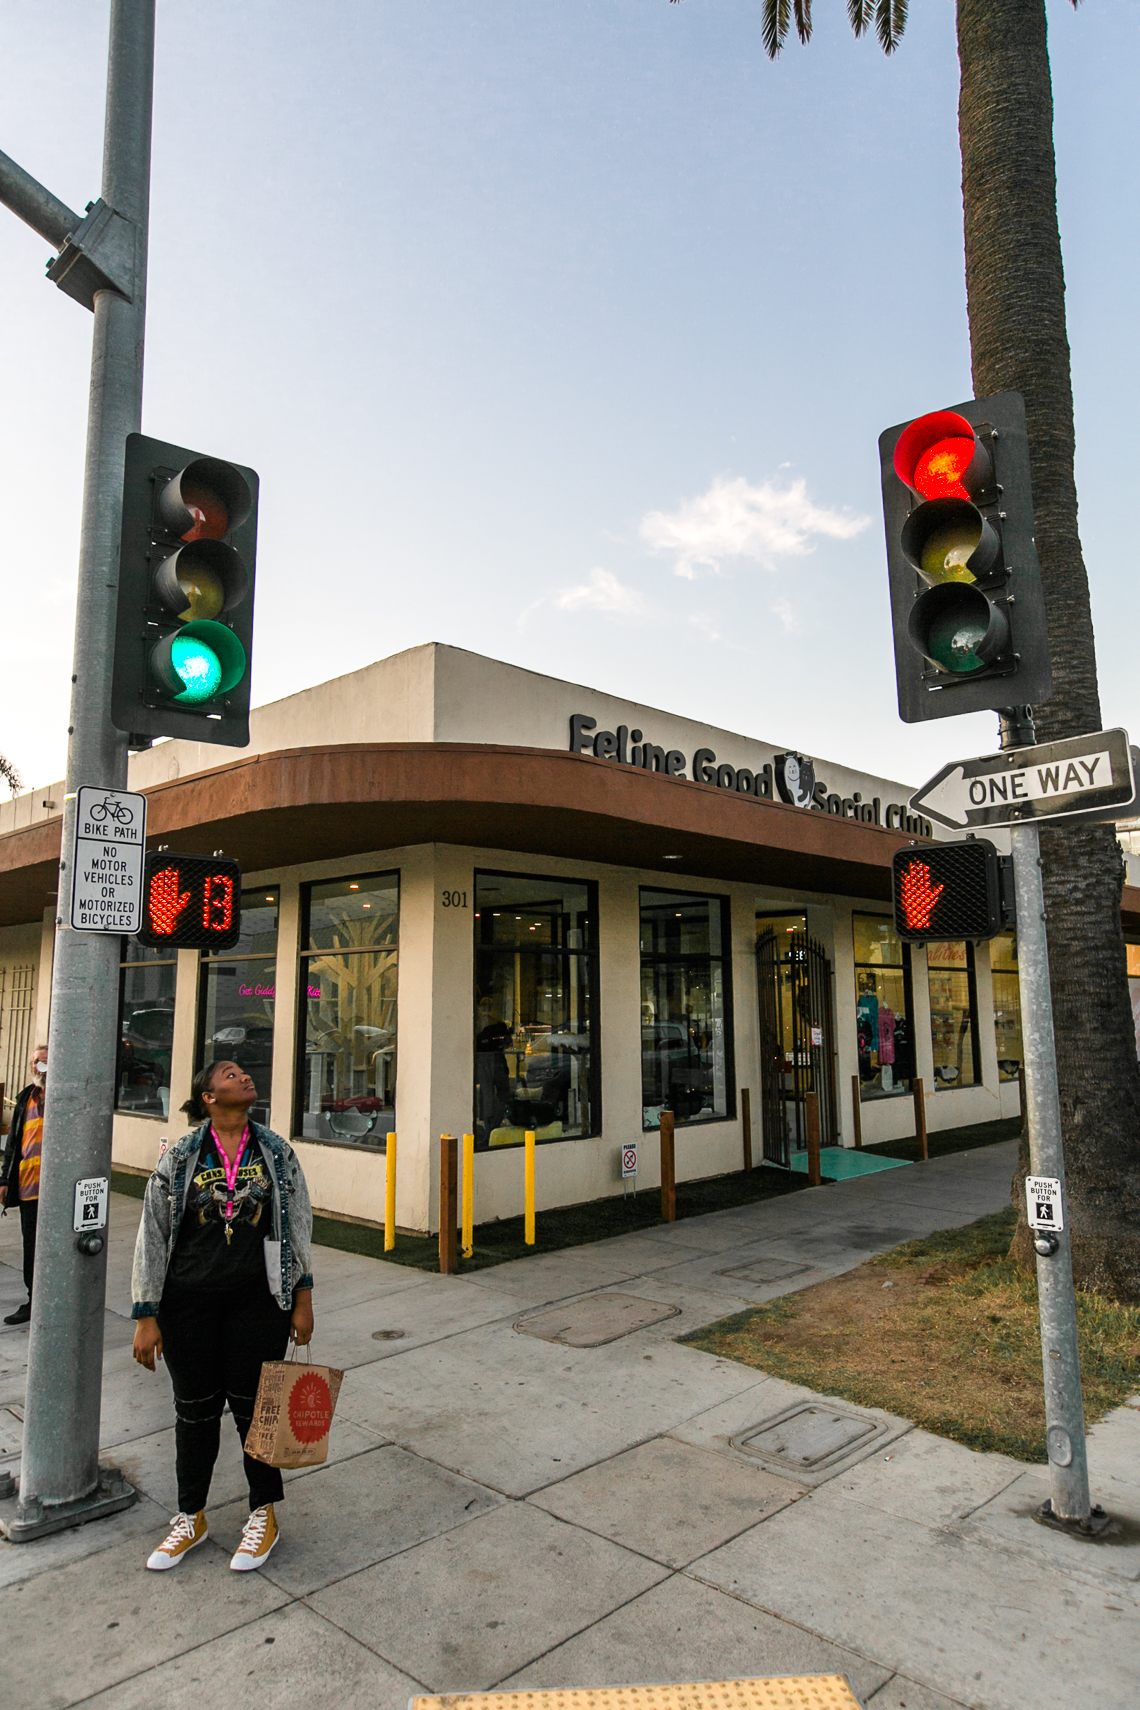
pixel 186 1530
pixel 259 1534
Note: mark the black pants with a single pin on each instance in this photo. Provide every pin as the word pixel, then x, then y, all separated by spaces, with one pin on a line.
pixel 214 1346
pixel 29 1212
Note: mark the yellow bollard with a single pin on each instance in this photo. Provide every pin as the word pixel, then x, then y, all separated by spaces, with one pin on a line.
pixel 468 1195
pixel 390 1195
pixel 528 1190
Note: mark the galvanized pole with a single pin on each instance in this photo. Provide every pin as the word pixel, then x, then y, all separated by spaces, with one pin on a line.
pixel 1057 1305
pixel 60 1465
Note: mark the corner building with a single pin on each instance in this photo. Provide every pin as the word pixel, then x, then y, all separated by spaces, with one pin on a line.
pixel 477 899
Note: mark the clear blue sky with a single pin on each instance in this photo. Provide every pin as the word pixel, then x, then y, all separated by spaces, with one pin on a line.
pixel 562 330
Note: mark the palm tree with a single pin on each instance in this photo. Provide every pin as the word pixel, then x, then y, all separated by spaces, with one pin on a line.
pixel 10 776
pixel 1015 292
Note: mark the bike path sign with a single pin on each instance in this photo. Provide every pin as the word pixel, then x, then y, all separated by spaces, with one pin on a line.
pixel 107 855
pixel 1082 777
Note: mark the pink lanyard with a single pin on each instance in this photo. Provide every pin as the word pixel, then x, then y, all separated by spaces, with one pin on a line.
pixel 230 1166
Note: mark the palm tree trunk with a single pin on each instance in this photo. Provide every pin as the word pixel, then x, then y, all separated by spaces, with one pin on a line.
pixel 1015 289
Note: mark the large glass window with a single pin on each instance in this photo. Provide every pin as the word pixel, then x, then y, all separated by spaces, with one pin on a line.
pixel 953 1016
pixel 238 997
pixel 346 1053
pixel 1007 1005
pixel 686 1051
pixel 536 1035
pixel 146 1029
pixel 883 1009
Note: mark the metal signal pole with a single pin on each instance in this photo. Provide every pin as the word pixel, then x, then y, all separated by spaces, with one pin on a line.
pixel 102 264
pixel 1070 1503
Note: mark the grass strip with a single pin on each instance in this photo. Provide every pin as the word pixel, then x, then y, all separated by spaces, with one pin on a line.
pixel 943 1331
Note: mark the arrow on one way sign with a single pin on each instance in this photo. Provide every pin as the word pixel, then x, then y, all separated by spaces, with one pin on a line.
pixel 1087 776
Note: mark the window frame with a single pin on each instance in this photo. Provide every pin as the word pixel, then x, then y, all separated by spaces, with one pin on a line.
pixel 725 960
pixel 907 969
pixel 167 961
pixel 208 959
pixel 592 952
pixel 378 1146
pixel 972 1000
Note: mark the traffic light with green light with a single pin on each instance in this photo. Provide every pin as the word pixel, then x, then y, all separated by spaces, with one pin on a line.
pixel 966 598
pixel 184 630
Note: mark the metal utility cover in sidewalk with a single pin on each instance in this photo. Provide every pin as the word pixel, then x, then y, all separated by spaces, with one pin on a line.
pixel 596 1319
pixel 787 1692
pixel 765 1271
pixel 812 1437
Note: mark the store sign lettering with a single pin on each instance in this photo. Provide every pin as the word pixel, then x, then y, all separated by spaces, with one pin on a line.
pixel 788 777
pixel 271 991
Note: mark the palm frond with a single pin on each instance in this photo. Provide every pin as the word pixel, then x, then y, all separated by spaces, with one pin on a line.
pixel 859 15
pixel 890 22
pixel 10 775
pixel 774 27
pixel 803 20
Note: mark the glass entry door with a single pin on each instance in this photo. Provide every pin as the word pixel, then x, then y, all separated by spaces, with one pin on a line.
pixel 793 977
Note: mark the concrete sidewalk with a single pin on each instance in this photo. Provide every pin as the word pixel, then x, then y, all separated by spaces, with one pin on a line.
pixel 503 1509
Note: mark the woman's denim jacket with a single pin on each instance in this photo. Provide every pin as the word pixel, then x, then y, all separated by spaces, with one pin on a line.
pixel 288 1256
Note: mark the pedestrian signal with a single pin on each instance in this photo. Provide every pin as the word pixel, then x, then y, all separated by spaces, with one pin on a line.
pixel 184 631
pixel 966 598
pixel 191 902
pixel 951 891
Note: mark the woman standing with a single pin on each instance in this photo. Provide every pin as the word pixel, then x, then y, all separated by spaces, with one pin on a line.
pixel 222 1281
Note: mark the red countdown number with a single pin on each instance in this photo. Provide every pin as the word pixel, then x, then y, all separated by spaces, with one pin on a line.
pixel 191 902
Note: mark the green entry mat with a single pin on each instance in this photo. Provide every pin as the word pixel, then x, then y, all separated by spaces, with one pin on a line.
pixel 838 1163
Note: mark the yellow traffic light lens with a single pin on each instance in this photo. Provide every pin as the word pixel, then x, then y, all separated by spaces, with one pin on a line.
pixel 953 639
pixel 198 667
pixel 946 551
pixel 203 588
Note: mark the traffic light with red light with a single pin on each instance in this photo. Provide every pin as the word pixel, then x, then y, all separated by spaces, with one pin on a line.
pixel 191 902
pixel 949 891
pixel 966 597
pixel 184 632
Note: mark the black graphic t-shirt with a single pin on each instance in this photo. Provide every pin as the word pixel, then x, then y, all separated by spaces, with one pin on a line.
pixel 215 1252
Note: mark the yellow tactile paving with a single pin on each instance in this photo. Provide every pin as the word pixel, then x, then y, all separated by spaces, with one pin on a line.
pixel 786 1692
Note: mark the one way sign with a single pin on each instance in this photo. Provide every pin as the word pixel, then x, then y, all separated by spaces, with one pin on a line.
pixel 1084 776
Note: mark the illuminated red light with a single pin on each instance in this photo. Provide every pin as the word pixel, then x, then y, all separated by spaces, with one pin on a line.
pixel 918 896
pixel 165 901
pixel 939 471
pixel 218 903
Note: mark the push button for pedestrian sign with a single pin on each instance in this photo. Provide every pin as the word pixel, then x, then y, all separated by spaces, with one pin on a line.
pixel 1043 1202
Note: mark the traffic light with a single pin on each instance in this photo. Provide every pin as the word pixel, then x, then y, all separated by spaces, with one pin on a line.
pixel 184 631
pixel 966 597
pixel 949 891
pixel 191 902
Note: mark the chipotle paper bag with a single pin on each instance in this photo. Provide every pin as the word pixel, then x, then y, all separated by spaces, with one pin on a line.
pixel 292 1413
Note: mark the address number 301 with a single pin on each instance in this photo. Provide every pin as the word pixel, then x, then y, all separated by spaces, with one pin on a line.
pixel 454 899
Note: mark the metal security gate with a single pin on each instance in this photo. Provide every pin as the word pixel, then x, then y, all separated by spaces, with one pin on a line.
pixel 797 1042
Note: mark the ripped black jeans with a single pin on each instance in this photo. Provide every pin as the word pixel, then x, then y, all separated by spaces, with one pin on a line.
pixel 214 1346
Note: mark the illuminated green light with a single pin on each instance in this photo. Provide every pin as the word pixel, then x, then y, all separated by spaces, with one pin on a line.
pixel 199 668
pixel 953 639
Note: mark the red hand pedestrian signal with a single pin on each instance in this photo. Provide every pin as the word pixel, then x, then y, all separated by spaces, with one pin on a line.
pixel 191 902
pixel 918 895
pixel 165 901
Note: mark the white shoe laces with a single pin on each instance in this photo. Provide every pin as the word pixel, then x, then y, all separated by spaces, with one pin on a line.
pixel 182 1529
pixel 253 1532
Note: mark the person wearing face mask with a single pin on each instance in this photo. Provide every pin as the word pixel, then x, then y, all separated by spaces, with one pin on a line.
pixel 20 1177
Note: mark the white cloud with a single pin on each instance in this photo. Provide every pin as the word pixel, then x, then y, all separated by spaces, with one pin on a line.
pixel 784 611
pixel 602 593
pixel 734 519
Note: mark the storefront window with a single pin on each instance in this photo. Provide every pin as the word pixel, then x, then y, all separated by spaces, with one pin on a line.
pixel 1132 951
pixel 346 1055
pixel 1007 1005
pixel 883 1009
pixel 953 1016
pixel 146 1029
pixel 686 1052
pixel 536 980
pixel 238 996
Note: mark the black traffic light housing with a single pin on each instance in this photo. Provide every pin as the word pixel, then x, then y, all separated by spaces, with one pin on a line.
pixel 944 892
pixel 184 629
pixel 191 902
pixel 966 598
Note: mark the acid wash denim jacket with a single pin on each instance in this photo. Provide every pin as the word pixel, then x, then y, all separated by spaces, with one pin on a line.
pixel 288 1255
